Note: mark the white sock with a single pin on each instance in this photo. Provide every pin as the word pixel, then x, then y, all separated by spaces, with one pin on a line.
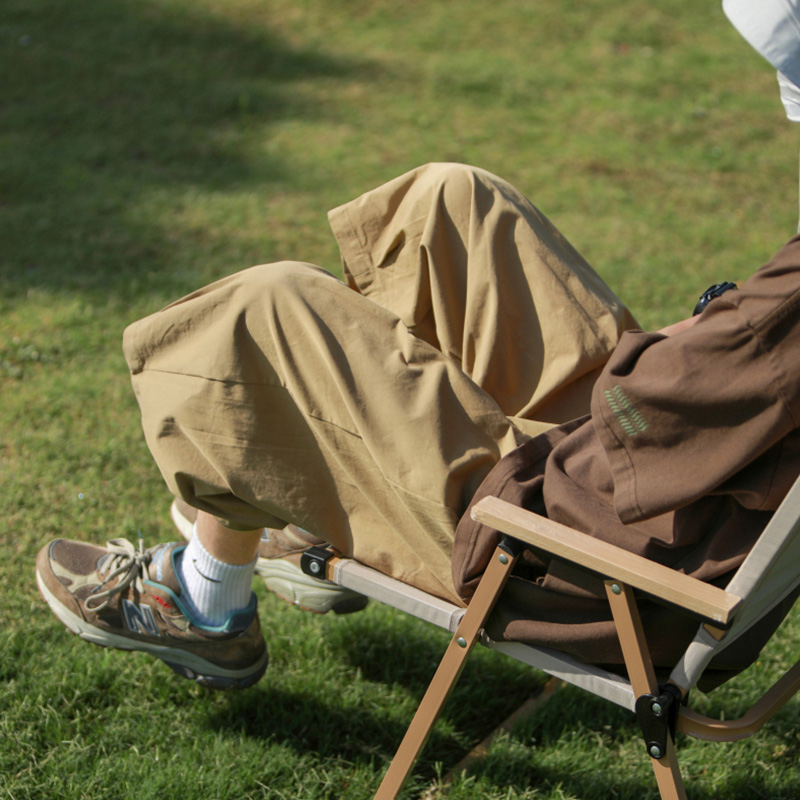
pixel 212 589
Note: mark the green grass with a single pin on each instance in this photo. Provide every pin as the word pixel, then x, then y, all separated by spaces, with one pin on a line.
pixel 149 147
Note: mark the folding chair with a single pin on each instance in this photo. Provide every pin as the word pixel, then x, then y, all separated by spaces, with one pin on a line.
pixel 769 574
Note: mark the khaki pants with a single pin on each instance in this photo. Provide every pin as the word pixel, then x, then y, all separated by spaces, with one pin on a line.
pixel 369 413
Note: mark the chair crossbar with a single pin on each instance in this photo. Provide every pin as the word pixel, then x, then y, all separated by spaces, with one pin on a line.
pixel 597 681
pixel 373 584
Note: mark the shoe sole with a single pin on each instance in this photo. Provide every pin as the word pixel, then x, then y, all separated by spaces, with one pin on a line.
pixel 293 586
pixel 188 665
pixel 290 583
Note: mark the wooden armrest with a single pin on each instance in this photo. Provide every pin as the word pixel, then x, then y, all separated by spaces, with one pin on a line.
pixel 607 559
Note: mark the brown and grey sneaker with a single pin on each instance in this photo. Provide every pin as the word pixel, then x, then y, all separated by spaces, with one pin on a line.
pixel 279 565
pixel 130 599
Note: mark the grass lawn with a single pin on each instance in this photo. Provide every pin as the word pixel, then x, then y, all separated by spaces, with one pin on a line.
pixel 150 147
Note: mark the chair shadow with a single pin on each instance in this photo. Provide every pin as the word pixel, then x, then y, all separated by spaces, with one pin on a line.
pixel 362 735
pixel 570 710
pixel 379 653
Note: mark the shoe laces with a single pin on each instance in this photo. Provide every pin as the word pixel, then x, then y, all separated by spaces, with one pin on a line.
pixel 122 559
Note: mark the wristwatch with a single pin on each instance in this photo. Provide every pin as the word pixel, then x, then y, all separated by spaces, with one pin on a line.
pixel 709 294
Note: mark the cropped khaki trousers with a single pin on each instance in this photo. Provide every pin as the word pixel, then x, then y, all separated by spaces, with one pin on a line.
pixel 368 412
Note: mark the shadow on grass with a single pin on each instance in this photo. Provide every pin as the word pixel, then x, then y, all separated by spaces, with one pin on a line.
pixel 575 746
pixel 609 759
pixel 115 104
pixel 587 748
pixel 359 723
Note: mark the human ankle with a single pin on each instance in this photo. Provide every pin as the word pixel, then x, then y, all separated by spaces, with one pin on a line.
pixel 212 589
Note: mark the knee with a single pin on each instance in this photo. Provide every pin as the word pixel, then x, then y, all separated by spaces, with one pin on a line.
pixel 460 184
pixel 280 282
pixel 280 275
pixel 451 174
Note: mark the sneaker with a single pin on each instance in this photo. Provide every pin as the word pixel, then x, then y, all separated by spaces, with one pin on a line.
pixel 117 596
pixel 279 565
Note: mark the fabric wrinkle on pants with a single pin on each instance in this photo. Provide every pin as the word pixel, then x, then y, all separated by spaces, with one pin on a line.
pixel 472 267
pixel 280 395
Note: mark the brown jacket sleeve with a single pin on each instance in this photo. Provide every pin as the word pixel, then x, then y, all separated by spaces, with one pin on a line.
pixel 680 416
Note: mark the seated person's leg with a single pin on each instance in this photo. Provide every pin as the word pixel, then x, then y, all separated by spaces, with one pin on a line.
pixel 278 395
pixel 472 267
pixel 279 564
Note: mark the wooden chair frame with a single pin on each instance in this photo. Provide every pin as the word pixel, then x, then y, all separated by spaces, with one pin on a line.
pixel 766 577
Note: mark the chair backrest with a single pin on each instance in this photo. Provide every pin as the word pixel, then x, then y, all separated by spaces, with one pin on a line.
pixel 769 574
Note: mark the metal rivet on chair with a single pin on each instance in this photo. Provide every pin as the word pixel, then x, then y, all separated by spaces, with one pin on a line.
pixel 461 641
pixel 656 709
pixel 503 558
pixel 314 566
pixel 655 751
pixel 615 588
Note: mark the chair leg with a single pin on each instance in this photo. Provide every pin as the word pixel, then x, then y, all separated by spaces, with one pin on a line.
pixel 643 679
pixel 447 673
